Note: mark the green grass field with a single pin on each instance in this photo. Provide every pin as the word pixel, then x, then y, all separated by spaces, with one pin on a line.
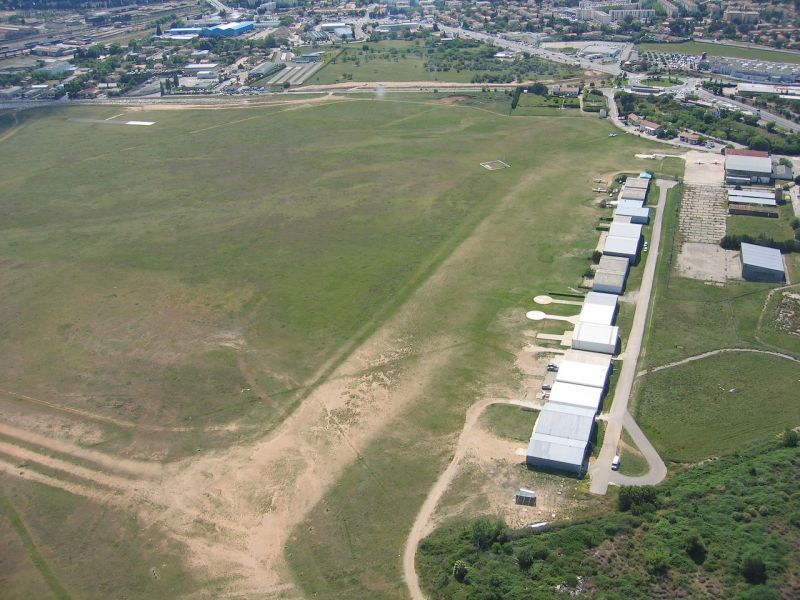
pixel 718 404
pixel 777 229
pixel 214 268
pixel 509 421
pixel 660 82
pixel 532 105
pixel 722 50
pixel 414 61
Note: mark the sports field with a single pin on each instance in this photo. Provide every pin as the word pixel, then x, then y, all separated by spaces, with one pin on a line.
pixel 240 328
pixel 698 48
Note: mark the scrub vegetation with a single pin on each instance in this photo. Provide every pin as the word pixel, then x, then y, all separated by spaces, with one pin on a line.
pixel 724 529
pixel 464 61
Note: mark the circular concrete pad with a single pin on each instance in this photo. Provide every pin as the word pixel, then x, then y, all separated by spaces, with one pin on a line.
pixel 543 299
pixel 535 315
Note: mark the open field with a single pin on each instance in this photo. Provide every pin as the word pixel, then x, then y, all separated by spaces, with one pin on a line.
pixel 698 48
pixel 416 61
pixel 532 105
pixel 718 404
pixel 777 229
pixel 197 311
pixel 509 422
pixel 661 82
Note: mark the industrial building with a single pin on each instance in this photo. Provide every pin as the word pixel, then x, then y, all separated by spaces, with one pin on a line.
pixel 760 263
pixel 583 396
pixel 228 29
pixel 561 439
pixel 593 337
pixel 638 213
pixel 640 182
pixel 747 169
pixel 610 275
pixel 584 368
pixel 621 246
pixel 599 308
pixel 637 194
pixel 760 197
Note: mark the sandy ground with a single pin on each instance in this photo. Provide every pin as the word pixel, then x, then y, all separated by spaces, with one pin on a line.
pixel 234 508
pixel 709 262
pixel 703 168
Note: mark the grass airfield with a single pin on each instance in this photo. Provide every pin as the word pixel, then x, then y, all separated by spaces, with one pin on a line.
pixel 188 296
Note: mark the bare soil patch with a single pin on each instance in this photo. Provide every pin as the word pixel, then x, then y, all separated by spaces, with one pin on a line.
pixel 708 262
pixel 788 317
pixel 455 99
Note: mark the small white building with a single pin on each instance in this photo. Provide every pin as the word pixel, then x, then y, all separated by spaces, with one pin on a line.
pixel 593 337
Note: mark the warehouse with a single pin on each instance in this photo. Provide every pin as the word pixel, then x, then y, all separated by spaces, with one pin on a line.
pixel 610 275
pixel 631 231
pixel 760 197
pixel 640 182
pixel 228 29
pixel 621 246
pixel 599 308
pixel 593 337
pixel 748 169
pixel 584 368
pixel 632 193
pixel 560 439
pixel 583 396
pixel 760 263
pixel 633 209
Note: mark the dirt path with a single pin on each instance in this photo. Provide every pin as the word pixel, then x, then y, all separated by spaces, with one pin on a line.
pixel 422 523
pixel 712 353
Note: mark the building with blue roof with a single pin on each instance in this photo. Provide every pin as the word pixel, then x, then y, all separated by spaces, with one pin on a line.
pixel 228 29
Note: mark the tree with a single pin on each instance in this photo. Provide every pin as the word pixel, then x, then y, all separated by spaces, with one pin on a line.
pixel 175 80
pixel 754 570
pixel 637 499
pixel 158 30
pixel 460 571
pixel 758 142
pixel 790 437
pixel 696 550
pixel 538 88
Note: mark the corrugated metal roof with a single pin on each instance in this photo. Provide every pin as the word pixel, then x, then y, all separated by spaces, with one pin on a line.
pixel 547 447
pixel 598 308
pixel 762 257
pixel 630 203
pixel 621 245
pixel 632 211
pixel 573 394
pixel 637 182
pixel 628 193
pixel 752 193
pixel 594 333
pixel 610 279
pixel 751 164
pixel 565 421
pixel 592 375
pixel 615 264
pixel 625 230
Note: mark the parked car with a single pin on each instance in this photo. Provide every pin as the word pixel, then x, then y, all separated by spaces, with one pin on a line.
pixel 615 463
pixel 547 387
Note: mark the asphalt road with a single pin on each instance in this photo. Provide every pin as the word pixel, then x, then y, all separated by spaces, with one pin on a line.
pixel 600 470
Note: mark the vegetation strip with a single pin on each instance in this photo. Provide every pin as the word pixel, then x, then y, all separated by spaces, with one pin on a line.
pixel 33 552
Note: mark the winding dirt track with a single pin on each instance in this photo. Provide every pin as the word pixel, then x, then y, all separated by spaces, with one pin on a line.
pixel 422 524
pixel 712 353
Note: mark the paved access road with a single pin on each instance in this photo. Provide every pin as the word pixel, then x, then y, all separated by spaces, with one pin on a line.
pixel 600 471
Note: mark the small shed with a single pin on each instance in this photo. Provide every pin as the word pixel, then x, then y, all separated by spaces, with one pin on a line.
pixel 525 497
pixel 608 282
pixel 760 263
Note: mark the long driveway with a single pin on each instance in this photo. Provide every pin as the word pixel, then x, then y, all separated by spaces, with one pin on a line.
pixel 600 471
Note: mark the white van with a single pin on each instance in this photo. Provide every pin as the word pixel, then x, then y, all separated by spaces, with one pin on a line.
pixel 615 463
